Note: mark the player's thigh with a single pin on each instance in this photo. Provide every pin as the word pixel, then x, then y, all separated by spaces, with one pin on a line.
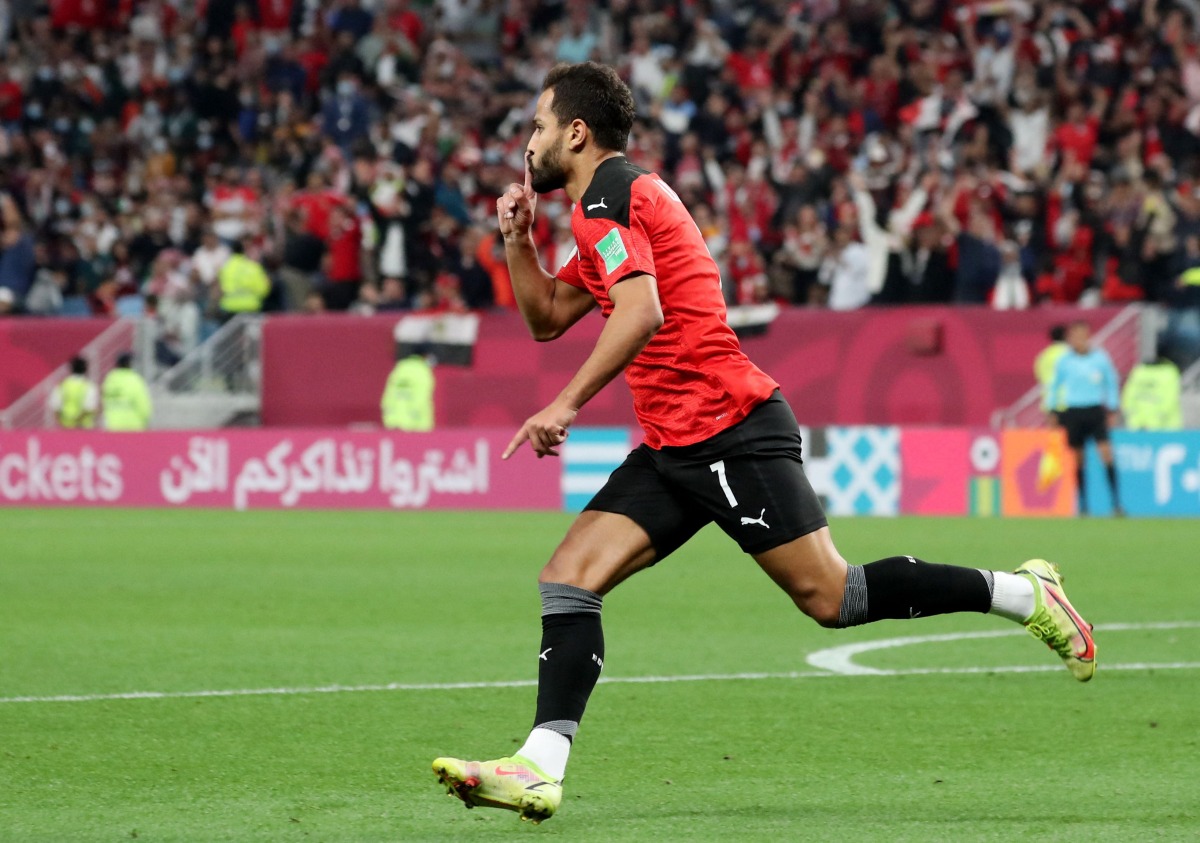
pixel 634 521
pixel 599 551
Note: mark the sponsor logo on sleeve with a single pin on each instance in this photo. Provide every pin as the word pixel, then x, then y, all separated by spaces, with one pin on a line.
pixel 611 249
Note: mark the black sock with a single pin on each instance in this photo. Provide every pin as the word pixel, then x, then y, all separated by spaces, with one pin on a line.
pixel 571 656
pixel 1111 471
pixel 904 587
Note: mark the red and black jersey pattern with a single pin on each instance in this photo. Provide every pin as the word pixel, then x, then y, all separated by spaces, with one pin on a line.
pixel 692 380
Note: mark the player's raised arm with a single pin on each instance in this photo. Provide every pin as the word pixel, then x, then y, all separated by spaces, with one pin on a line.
pixel 549 306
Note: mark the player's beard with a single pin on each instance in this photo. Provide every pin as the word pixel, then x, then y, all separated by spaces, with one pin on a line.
pixel 549 174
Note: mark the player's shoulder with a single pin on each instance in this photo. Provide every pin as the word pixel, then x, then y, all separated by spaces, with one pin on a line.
pixel 610 195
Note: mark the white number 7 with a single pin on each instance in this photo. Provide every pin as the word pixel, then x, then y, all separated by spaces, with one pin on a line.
pixel 719 468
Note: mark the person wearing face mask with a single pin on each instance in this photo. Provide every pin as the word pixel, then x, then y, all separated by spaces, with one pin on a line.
pixel 345 116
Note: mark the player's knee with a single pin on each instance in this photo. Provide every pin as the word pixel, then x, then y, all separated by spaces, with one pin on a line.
pixel 556 570
pixel 818 603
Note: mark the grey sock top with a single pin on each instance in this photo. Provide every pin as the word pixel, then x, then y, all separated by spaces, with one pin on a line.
pixel 562 599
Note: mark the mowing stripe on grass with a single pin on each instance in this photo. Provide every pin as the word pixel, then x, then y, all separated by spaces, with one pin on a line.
pixel 835 662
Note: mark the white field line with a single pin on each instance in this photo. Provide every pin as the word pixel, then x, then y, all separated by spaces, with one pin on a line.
pixel 839 666
pixel 840 659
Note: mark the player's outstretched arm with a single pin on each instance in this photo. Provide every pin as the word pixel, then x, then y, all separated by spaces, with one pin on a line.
pixel 635 319
pixel 549 306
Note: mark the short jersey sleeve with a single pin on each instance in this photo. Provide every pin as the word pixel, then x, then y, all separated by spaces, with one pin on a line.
pixel 617 251
pixel 569 271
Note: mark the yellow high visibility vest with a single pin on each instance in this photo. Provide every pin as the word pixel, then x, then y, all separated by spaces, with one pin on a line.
pixel 126 401
pixel 244 285
pixel 1043 370
pixel 73 409
pixel 407 401
pixel 1151 397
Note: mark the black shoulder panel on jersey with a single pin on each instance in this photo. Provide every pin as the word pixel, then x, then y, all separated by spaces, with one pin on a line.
pixel 608 196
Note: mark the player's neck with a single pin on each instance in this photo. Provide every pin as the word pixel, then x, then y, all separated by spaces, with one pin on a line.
pixel 577 184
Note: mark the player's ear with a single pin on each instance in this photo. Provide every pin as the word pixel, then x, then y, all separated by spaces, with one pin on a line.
pixel 577 135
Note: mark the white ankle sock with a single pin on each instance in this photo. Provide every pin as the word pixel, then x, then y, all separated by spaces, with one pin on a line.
pixel 548 750
pixel 1012 597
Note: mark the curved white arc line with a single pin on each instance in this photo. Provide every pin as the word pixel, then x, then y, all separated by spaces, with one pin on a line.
pixel 840 660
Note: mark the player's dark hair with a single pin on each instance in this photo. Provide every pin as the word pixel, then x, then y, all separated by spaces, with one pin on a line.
pixel 1058 333
pixel 78 366
pixel 595 94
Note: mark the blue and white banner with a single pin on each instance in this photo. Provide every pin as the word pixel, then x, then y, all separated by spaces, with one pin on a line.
pixel 589 455
pixel 854 470
pixel 1158 473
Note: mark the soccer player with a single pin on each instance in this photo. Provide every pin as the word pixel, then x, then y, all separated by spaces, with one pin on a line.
pixel 1088 389
pixel 721 444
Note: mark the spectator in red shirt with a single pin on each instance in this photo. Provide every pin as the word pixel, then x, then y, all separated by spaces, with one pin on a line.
pixel 344 262
pixel 1076 137
pixel 12 98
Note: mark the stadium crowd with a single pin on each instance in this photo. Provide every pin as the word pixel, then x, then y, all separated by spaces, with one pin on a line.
pixel 834 153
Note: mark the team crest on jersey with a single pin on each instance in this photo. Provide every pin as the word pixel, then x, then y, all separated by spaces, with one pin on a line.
pixel 611 249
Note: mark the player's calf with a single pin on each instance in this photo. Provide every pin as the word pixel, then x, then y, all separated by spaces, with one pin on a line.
pixel 907 587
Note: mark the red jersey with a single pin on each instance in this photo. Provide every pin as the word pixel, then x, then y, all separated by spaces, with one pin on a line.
pixel 692 380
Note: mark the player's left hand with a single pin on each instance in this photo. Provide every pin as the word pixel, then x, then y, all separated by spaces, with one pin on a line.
pixel 545 431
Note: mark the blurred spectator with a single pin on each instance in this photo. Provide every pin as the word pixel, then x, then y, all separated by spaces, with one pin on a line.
pixel 303 253
pixel 846 271
pixel 343 272
pixel 800 255
pixel 1011 291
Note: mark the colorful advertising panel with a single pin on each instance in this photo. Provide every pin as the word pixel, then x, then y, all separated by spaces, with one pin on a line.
pixel 1037 473
pixel 854 470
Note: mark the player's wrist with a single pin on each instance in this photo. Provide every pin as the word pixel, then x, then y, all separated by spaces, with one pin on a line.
pixel 518 239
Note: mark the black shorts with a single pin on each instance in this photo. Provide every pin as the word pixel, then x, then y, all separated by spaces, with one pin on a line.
pixel 1084 423
pixel 748 479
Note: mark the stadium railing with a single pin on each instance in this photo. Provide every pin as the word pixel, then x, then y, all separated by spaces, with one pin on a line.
pixel 32 410
pixel 1124 338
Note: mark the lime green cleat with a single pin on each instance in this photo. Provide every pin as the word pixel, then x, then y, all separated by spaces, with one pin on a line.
pixel 512 783
pixel 1055 621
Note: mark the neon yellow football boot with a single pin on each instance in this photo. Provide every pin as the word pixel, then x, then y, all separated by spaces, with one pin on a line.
pixel 511 783
pixel 1055 621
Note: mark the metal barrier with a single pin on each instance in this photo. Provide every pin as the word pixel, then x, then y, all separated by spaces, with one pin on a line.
pixel 32 411
pixel 217 383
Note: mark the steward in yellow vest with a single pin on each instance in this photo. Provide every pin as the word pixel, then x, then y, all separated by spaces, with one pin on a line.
pixel 244 285
pixel 1151 397
pixel 76 399
pixel 407 401
pixel 126 398
pixel 1044 363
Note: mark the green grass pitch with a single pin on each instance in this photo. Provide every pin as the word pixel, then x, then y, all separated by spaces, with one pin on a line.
pixel 96 603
